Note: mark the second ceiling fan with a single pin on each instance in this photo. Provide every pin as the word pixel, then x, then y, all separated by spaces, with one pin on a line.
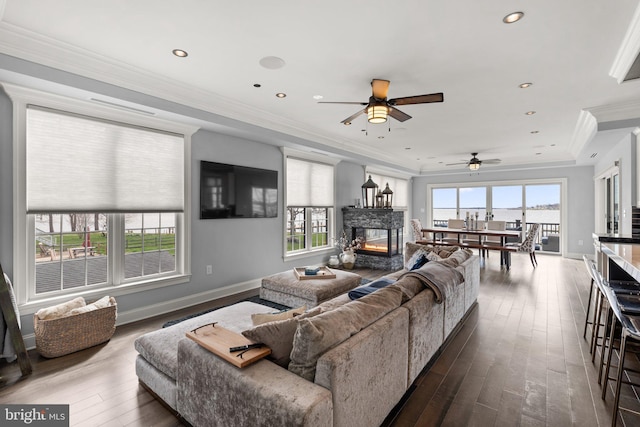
pixel 379 107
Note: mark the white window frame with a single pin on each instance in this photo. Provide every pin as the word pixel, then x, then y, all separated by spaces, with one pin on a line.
pixel 24 225
pixel 331 229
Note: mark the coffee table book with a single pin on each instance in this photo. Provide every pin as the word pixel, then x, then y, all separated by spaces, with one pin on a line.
pixel 218 340
pixel 323 273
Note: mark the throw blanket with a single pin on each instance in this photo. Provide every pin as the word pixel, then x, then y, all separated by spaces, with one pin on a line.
pixel 437 276
pixel 6 345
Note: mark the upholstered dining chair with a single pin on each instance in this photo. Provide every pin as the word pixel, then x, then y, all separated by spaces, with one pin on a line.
pixel 456 224
pixel 416 229
pixel 529 244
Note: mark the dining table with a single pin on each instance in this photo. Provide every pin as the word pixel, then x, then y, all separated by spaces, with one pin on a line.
pixel 464 240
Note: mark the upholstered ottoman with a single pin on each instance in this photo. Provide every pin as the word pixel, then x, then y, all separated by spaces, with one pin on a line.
pixel 286 289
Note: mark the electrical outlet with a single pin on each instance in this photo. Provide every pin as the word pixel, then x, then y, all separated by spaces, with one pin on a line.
pixel 209 269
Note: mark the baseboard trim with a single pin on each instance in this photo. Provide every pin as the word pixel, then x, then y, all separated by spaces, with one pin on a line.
pixel 184 302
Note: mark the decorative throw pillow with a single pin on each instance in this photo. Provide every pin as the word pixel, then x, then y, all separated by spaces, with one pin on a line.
pixel 417 255
pixel 317 335
pixel 260 318
pixel 461 256
pixel 101 303
pixel 451 262
pixel 432 256
pixel 60 310
pixel 371 287
pixel 278 336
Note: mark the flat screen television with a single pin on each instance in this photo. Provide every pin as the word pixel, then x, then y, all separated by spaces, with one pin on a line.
pixel 231 191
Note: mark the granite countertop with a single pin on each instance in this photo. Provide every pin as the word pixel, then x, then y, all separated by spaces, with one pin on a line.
pixel 626 256
pixel 617 238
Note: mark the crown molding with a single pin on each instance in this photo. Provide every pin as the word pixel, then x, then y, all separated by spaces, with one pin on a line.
pixel 30 46
pixel 585 130
pixel 628 49
pixel 613 112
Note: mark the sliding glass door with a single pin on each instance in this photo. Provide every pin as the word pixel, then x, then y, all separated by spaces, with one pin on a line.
pixel 517 204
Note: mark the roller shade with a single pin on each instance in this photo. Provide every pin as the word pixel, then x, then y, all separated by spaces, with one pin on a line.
pixel 399 186
pixel 82 164
pixel 309 183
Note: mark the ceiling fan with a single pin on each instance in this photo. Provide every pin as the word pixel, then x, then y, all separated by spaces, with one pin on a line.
pixel 475 162
pixel 379 107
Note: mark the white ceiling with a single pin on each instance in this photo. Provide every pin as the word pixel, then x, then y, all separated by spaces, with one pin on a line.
pixel 566 48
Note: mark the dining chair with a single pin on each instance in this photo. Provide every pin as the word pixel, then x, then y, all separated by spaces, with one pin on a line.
pixel 495 226
pixel 454 224
pixel 529 243
pixel 416 229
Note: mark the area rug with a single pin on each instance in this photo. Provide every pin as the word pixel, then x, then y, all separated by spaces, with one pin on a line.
pixel 256 299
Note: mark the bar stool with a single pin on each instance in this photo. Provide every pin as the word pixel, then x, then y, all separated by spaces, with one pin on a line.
pixel 612 315
pixel 628 334
pixel 593 271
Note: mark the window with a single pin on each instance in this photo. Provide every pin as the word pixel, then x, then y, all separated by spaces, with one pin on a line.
pixel 517 203
pixel 101 199
pixel 309 205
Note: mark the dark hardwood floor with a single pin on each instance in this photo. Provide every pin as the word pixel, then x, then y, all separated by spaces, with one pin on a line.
pixel 519 359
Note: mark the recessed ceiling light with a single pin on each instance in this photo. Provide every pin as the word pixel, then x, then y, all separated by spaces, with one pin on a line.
pixel 530 113
pixel 318 96
pixel 524 85
pixel 513 17
pixel 537 154
pixel 553 145
pixel 180 53
pixel 407 148
pixel 535 131
pixel 281 95
pixel 257 85
pixel 347 123
pixel 381 137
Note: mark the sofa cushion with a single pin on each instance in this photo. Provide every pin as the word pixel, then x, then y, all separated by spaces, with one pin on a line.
pixel 160 348
pixel 316 335
pixel 410 287
pixel 278 336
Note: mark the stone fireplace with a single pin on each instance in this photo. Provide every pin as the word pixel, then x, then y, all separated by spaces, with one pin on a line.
pixel 380 231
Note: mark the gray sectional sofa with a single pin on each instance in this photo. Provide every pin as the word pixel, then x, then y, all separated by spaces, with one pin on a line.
pixel 344 363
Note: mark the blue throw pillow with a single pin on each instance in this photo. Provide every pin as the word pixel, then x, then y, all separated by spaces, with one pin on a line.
pixel 371 287
pixel 420 262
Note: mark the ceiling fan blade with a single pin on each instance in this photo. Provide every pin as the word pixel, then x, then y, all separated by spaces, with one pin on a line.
pixel 350 118
pixel 457 164
pixel 398 115
pixel 351 103
pixel 492 161
pixel 418 99
pixel 380 88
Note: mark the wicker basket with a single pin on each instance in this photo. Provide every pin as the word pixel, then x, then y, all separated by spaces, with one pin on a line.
pixel 57 337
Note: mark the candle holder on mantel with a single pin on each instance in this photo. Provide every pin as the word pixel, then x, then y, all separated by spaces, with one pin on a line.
pixel 369 192
pixel 379 200
pixel 388 197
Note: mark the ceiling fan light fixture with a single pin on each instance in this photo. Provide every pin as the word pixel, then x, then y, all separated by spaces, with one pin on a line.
pixel 377 113
pixel 474 166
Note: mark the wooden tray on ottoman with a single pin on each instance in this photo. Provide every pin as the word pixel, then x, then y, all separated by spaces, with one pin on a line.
pixel 218 340
pixel 323 273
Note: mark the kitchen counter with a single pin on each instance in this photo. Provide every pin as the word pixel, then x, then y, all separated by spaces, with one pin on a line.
pixel 616 238
pixel 625 256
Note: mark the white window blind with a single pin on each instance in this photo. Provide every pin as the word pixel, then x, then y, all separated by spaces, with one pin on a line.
pixel 81 164
pixel 399 186
pixel 309 183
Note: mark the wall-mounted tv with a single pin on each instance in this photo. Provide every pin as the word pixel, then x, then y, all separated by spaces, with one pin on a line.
pixel 230 191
